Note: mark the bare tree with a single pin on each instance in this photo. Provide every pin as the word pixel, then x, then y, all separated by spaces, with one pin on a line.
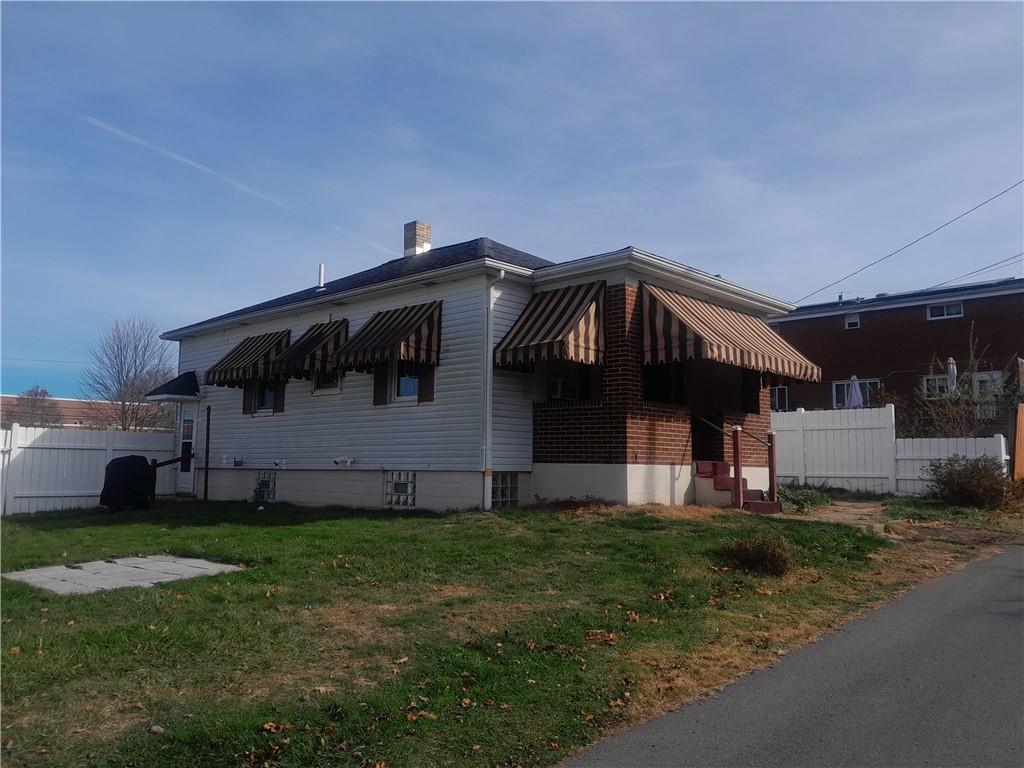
pixel 128 360
pixel 35 407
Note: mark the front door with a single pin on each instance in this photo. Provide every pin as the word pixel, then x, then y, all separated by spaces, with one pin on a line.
pixel 186 441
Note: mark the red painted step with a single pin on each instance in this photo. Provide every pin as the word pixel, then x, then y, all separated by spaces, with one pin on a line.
pixel 764 507
pixel 753 494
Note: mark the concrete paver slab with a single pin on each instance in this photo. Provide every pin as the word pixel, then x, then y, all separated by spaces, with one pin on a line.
pixel 98 575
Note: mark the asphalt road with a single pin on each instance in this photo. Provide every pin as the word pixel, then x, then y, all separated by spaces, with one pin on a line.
pixel 935 678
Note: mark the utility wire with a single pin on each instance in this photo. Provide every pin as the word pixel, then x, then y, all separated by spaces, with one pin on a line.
pixel 37 360
pixel 979 270
pixel 912 242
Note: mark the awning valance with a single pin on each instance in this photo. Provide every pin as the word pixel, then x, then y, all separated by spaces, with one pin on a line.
pixel 678 327
pixel 410 333
pixel 252 358
pixel 315 351
pixel 563 324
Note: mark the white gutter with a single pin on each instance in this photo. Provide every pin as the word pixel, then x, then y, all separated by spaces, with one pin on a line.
pixel 453 272
pixel 487 442
pixel 671 272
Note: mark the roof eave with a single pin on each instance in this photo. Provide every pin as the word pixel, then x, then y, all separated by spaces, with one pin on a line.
pixel 674 273
pixel 457 270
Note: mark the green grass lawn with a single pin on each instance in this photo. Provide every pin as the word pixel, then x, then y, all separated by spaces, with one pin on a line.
pixel 354 639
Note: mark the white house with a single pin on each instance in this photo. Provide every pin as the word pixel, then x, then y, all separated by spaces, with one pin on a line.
pixel 472 374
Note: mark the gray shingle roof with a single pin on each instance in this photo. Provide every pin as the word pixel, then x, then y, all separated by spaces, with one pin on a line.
pixel 437 258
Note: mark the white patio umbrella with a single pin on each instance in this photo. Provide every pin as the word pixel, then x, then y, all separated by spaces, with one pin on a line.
pixel 951 375
pixel 854 398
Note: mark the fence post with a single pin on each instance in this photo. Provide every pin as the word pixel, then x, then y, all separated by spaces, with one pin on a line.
pixel 10 483
pixel 890 423
pixel 1004 457
pixel 737 466
pixel 110 446
pixel 802 474
pixel 773 488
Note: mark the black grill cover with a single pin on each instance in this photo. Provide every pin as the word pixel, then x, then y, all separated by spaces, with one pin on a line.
pixel 129 481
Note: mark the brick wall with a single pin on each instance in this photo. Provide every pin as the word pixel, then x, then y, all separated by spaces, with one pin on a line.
pixel 622 428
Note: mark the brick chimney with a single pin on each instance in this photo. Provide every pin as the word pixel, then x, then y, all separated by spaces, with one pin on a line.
pixel 417 238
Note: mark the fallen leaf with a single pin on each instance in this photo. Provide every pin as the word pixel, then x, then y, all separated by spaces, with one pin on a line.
pixel 428 715
pixel 16 649
pixel 762 591
pixel 633 616
pixel 71 622
pixel 156 729
pixel 270 591
pixel 402 660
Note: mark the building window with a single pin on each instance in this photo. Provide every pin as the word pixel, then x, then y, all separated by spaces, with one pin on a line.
pixel 504 490
pixel 262 396
pixel 944 311
pixel 266 485
pixel 987 383
pixel 568 380
pixel 843 390
pixel 935 386
pixel 403 381
pixel 665 383
pixel 327 382
pixel 399 489
pixel 780 398
pixel 852 322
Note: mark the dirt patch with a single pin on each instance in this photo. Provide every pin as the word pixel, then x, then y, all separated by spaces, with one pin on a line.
pixel 600 509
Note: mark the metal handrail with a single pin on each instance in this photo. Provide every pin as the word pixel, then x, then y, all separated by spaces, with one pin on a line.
pixel 715 426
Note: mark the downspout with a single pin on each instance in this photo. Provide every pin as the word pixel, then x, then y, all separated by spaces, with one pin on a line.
pixel 488 410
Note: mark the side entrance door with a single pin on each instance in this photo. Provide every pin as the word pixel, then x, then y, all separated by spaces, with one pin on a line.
pixel 186 441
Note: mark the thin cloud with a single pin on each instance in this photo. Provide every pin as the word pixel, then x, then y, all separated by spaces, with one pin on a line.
pixel 234 183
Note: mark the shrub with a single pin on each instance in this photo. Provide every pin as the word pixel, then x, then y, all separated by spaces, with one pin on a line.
pixel 768 553
pixel 1013 501
pixel 977 482
pixel 801 498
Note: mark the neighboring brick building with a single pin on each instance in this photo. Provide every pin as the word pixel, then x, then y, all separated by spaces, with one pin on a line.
pixel 900 342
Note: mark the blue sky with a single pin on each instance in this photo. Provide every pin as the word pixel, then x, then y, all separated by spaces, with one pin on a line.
pixel 178 161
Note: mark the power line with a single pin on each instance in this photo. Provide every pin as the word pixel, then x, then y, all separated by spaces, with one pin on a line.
pixel 37 360
pixel 912 242
pixel 979 270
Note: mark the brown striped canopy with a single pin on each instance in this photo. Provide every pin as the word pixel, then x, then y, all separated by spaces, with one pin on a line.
pixel 314 351
pixel 252 358
pixel 410 333
pixel 678 327
pixel 563 324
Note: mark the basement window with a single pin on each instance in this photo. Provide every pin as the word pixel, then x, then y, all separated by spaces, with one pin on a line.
pixel 504 490
pixel 852 322
pixel 399 488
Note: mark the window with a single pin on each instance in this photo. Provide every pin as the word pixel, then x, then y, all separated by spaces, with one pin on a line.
pixel 504 490
pixel 266 485
pixel 869 389
pixel 187 432
pixel 780 398
pixel 399 489
pixel 987 384
pixel 264 397
pixel 665 383
pixel 567 380
pixel 261 396
pixel 852 322
pixel 327 382
pixel 935 386
pixel 407 379
pixel 943 311
pixel 403 381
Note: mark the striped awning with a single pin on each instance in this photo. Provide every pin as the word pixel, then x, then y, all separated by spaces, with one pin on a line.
pixel 411 333
pixel 315 351
pixel 678 327
pixel 563 324
pixel 252 358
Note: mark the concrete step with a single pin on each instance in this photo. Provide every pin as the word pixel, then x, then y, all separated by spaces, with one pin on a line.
pixel 753 494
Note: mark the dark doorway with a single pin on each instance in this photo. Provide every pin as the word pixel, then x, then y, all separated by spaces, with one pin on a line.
pixel 707 440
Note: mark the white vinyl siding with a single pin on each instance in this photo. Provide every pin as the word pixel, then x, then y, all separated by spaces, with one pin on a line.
pixel 313 430
pixel 512 412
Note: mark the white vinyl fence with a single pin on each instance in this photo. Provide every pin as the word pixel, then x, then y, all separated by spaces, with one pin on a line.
pixel 45 469
pixel 857 449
